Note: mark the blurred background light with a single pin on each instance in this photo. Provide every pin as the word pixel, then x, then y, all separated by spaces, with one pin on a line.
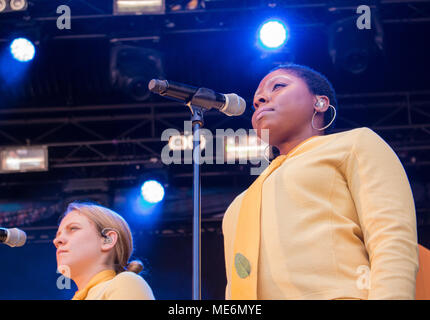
pixel 18 5
pixel 13 5
pixel 23 159
pixel 22 49
pixel 273 34
pixel 246 148
pixel 139 6
pixel 152 191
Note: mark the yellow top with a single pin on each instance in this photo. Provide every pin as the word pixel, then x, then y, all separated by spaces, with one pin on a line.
pixel 107 285
pixel 337 221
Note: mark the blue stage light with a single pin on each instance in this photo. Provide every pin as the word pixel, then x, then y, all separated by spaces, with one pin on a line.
pixel 22 50
pixel 273 34
pixel 152 191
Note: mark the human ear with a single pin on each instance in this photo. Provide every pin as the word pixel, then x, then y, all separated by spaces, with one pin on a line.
pixel 322 103
pixel 110 238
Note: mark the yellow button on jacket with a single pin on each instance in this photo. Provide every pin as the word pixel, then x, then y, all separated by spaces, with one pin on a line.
pixel 337 221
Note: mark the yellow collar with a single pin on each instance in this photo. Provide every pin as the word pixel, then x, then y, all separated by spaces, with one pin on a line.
pixel 244 273
pixel 98 278
pixel 293 150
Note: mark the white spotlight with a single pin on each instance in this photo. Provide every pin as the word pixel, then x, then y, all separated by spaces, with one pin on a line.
pixel 22 49
pixel 152 191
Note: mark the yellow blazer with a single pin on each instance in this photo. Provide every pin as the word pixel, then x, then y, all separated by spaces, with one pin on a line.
pixel 337 221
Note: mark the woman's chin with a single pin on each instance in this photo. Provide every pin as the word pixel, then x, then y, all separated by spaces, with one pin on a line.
pixel 64 269
pixel 263 134
pixel 263 125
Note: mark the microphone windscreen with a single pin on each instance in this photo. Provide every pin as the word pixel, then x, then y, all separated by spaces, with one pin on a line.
pixel 234 105
pixel 157 86
pixel 16 238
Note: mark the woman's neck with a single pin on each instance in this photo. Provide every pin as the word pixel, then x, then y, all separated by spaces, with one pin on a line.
pixel 288 145
pixel 82 279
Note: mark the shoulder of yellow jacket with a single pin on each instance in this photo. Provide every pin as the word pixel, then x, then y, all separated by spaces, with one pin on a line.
pixel 128 277
pixel 356 131
pixel 238 200
pixel 132 282
pixel 360 135
pixel 365 136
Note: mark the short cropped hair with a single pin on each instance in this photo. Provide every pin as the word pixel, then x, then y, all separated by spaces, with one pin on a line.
pixel 317 83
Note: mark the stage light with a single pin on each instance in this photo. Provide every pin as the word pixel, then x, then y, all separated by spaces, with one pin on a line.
pixel 246 148
pixel 273 34
pixel 2 5
pixel 23 159
pixel 13 5
pixel 22 50
pixel 139 7
pixel 152 191
pixel 353 49
pixel 17 5
pixel 132 67
pixel 181 142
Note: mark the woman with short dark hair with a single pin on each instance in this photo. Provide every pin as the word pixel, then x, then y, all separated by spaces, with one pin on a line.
pixel 332 217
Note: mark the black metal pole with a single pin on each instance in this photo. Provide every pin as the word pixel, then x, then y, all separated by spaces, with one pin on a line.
pixel 197 122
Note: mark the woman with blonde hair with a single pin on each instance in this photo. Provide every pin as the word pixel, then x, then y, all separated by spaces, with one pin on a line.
pixel 94 245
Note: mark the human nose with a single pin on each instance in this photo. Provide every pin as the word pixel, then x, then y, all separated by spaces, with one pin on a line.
pixel 260 99
pixel 58 241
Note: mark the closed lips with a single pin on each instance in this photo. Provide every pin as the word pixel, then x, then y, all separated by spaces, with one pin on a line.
pixel 261 112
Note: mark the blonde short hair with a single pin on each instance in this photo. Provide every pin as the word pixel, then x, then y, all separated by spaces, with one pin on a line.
pixel 104 218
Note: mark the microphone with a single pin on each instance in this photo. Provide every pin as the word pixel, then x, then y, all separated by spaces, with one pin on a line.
pixel 230 104
pixel 13 237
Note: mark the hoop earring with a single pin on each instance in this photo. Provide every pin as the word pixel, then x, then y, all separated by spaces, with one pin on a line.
pixel 315 112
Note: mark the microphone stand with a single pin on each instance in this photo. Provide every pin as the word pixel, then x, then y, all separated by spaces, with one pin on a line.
pixel 197 123
pixel 197 111
pixel 198 104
